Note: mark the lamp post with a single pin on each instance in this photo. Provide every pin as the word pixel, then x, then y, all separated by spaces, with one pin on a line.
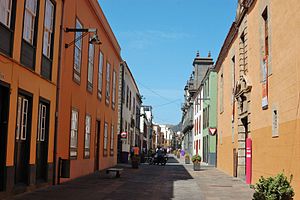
pixel 94 39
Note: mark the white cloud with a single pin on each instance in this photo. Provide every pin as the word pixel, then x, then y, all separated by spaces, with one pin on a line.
pixel 144 39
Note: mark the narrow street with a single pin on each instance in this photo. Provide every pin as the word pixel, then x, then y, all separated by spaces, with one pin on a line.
pixel 173 181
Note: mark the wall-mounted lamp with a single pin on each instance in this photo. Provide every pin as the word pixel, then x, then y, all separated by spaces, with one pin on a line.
pixel 204 99
pixel 93 40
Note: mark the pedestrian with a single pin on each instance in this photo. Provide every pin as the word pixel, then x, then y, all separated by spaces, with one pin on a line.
pixel 136 150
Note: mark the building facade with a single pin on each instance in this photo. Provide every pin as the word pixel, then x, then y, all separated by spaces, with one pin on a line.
pixel 167 135
pixel 200 67
pixel 209 127
pixel 129 116
pixel 258 81
pixel 29 60
pixel 88 91
pixel 146 127
pixel 157 138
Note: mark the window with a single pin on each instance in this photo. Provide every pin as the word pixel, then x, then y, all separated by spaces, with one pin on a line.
pixel 74 133
pixel 48 28
pixel 195 129
pixel 100 75
pixel 123 91
pixel 29 20
pixel 232 78
pixel 199 124
pixel 127 96
pixel 77 52
pixel 22 118
pixel 114 89
pixel 42 123
pixel 112 140
pixel 221 92
pixel 5 12
pixel 243 52
pixel 275 122
pixel 129 100
pixel 105 138
pixel 90 67
pixel 107 82
pixel 266 38
pixel 87 136
pixel 133 107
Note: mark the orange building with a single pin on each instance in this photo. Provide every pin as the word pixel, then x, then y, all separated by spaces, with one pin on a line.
pixel 29 43
pixel 258 92
pixel 88 91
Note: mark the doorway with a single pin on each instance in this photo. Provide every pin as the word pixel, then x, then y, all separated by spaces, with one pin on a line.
pixel 42 142
pixel 235 162
pixel 22 142
pixel 4 112
pixel 97 145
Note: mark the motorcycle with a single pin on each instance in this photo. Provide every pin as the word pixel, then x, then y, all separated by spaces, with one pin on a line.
pixel 156 160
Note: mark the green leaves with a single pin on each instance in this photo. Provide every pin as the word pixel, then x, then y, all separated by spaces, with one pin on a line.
pixel 196 158
pixel 273 188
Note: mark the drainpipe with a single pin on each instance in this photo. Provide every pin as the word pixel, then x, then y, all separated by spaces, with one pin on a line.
pixel 57 94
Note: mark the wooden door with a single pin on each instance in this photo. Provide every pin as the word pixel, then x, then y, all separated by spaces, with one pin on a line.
pixel 4 111
pixel 42 142
pixel 22 143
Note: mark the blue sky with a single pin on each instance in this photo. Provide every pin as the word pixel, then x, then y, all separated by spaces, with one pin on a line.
pixel 159 40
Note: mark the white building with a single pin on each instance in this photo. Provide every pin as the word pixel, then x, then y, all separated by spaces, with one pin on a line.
pixel 168 134
pixel 129 112
pixel 197 129
pixel 146 127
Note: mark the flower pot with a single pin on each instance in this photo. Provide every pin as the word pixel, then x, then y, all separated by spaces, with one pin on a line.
pixel 178 155
pixel 196 166
pixel 187 161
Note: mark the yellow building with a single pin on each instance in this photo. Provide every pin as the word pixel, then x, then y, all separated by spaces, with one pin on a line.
pixel 29 54
pixel 259 91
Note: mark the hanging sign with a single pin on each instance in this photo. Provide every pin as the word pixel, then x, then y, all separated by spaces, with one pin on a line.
pixel 212 131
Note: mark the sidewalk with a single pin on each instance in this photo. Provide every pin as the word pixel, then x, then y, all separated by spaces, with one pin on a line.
pixel 216 185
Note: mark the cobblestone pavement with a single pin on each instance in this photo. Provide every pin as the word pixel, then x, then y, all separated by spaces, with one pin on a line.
pixel 174 181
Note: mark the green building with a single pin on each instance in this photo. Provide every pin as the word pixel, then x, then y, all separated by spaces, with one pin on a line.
pixel 209 86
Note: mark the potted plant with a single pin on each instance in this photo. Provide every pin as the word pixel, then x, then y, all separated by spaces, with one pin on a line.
pixel 135 159
pixel 178 154
pixel 196 159
pixel 272 188
pixel 187 158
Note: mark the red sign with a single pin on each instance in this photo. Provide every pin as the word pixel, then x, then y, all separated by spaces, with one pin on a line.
pixel 212 131
pixel 123 135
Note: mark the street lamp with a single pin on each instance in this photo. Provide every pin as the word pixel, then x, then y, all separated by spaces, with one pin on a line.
pixel 199 99
pixel 94 39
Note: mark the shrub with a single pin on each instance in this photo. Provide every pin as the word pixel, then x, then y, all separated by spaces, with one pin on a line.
pixel 273 188
pixel 196 158
pixel 187 156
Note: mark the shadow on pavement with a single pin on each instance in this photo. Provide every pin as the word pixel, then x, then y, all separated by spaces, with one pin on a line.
pixel 147 182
